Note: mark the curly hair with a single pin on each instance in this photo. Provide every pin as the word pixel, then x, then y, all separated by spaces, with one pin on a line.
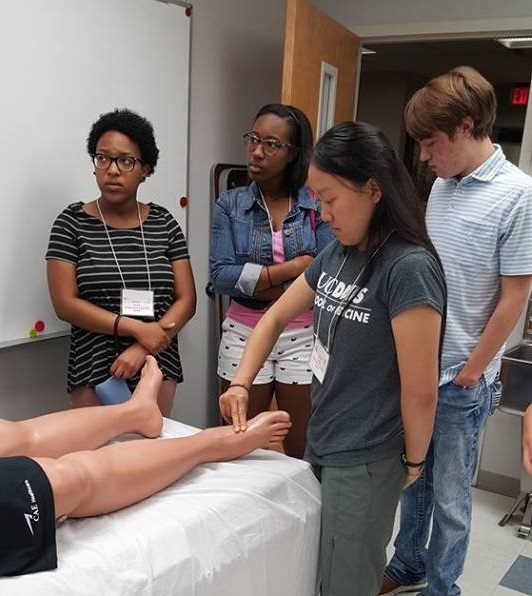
pixel 132 125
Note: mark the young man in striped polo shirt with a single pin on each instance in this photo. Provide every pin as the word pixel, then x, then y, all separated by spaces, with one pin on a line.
pixel 479 217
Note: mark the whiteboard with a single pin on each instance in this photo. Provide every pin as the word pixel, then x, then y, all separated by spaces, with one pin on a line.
pixel 62 64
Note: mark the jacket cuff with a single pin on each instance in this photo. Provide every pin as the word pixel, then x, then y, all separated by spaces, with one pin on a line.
pixel 249 278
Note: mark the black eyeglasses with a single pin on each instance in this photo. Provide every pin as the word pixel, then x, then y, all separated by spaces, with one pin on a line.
pixel 124 163
pixel 270 146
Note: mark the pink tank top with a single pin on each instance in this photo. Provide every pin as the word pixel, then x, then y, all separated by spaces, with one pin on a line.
pixel 249 316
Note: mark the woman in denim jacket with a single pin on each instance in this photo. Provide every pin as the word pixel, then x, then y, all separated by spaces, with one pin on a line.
pixel 264 236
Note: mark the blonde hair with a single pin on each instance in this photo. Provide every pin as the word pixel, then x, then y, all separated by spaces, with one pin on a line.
pixel 443 103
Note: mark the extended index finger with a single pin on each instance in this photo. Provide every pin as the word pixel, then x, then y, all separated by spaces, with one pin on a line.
pixel 235 413
pixel 242 413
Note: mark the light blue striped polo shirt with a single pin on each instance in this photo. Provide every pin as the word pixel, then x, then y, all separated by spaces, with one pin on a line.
pixel 481 227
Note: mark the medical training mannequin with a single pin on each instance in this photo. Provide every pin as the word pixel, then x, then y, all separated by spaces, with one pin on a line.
pixel 54 466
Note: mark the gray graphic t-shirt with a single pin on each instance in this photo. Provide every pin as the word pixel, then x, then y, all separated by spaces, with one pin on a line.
pixel 356 414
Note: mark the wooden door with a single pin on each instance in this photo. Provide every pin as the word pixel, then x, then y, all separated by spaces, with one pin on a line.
pixel 313 39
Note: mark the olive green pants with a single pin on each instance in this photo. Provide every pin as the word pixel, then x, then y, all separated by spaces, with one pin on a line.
pixel 358 510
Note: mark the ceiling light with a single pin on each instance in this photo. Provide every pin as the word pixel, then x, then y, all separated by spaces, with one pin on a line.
pixel 366 51
pixel 516 42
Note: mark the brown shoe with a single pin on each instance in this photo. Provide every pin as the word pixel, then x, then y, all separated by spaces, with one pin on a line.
pixel 390 588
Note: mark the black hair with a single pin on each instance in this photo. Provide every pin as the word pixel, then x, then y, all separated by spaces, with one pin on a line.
pixel 358 152
pixel 301 139
pixel 130 124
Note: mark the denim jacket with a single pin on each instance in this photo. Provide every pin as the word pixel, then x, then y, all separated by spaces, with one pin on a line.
pixel 241 239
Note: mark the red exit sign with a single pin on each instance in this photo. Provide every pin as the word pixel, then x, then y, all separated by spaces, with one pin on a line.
pixel 519 95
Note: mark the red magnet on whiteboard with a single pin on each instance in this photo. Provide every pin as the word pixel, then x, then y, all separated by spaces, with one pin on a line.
pixel 39 326
pixel 188 10
pixel 183 202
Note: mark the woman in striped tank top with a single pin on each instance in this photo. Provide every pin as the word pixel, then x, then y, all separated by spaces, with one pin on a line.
pixel 119 270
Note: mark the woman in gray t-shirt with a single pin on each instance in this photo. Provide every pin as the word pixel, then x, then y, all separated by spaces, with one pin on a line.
pixel 378 293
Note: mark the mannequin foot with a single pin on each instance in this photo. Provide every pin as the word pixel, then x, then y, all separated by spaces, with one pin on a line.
pixel 148 420
pixel 269 428
pixel 263 431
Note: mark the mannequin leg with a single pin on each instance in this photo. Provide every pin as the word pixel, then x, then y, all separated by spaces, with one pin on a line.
pixel 53 435
pixel 89 483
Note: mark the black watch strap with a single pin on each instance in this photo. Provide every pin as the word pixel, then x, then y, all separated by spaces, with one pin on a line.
pixel 411 464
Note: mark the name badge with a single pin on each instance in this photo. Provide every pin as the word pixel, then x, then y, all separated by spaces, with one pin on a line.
pixel 319 360
pixel 137 303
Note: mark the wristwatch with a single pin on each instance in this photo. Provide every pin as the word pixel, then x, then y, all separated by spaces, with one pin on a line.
pixel 412 464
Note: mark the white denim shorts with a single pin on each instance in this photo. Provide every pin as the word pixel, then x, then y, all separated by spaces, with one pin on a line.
pixel 287 363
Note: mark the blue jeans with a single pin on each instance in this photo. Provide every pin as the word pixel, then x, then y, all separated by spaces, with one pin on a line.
pixel 443 492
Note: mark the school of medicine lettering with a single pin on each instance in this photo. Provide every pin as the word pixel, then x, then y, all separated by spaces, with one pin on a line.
pixel 331 295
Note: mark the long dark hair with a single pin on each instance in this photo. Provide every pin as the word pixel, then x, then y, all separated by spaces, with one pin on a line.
pixel 358 152
pixel 301 138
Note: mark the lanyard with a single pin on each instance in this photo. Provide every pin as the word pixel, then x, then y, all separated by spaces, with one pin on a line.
pixel 317 332
pixel 265 207
pixel 113 250
pixel 339 310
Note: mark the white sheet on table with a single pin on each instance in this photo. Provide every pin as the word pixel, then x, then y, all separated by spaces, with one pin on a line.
pixel 249 527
